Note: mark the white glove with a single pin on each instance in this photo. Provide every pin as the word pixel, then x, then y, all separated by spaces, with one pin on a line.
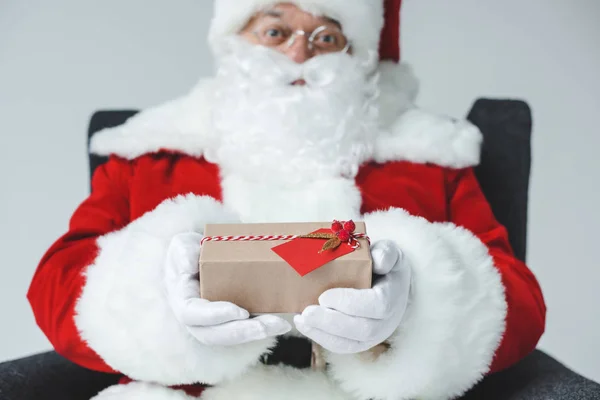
pixel 349 321
pixel 212 323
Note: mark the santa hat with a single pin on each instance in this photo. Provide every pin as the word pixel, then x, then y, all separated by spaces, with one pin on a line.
pixel 372 26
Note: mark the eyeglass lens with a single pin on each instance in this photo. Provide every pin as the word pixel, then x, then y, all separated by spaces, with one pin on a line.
pixel 324 38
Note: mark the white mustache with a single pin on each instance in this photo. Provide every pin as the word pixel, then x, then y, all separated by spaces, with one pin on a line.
pixel 252 61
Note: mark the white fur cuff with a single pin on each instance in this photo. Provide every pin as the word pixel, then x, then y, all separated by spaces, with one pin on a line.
pixel 123 313
pixel 454 322
pixel 141 391
pixel 277 383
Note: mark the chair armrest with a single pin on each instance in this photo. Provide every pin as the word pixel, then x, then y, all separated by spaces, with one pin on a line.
pixel 537 377
pixel 49 376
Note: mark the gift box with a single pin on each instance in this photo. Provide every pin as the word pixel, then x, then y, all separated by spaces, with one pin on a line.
pixel 267 268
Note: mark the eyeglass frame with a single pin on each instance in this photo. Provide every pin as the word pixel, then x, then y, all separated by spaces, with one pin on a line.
pixel 311 38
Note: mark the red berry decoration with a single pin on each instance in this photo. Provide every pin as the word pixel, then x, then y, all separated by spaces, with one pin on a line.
pixel 336 226
pixel 349 226
pixel 344 235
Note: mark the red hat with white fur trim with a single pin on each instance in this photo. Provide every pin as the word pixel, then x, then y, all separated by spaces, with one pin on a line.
pixel 372 26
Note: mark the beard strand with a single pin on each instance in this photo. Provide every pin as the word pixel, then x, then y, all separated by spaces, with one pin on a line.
pixel 269 130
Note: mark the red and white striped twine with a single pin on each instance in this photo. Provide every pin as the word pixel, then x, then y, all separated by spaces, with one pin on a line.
pixel 265 238
pixel 247 238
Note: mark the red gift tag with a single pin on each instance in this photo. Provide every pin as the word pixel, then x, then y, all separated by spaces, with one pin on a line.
pixel 305 255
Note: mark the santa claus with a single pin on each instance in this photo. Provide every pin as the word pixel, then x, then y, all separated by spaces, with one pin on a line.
pixel 310 117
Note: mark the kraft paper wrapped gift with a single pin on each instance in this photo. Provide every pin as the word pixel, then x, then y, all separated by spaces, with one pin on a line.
pixel 253 276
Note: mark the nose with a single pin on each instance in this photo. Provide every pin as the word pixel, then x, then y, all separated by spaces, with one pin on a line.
pixel 299 51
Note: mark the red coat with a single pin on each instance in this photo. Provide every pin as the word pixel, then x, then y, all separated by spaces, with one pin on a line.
pixel 475 309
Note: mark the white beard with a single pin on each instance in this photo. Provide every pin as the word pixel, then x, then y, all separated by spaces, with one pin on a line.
pixel 269 131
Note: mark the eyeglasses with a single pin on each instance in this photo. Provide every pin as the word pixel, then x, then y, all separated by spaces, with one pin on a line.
pixel 324 39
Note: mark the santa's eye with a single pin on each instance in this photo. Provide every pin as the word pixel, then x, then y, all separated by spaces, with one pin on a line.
pixel 273 33
pixel 329 39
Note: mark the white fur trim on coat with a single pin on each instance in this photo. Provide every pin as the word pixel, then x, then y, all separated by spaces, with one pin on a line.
pixel 423 137
pixel 454 322
pixel 361 20
pixel 141 391
pixel 407 133
pixel 277 383
pixel 123 313
pixel 178 125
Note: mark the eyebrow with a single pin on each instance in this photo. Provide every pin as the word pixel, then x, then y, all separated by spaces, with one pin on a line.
pixel 333 21
pixel 278 14
pixel 273 13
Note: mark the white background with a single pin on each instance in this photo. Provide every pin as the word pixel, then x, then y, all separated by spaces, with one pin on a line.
pixel 61 60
